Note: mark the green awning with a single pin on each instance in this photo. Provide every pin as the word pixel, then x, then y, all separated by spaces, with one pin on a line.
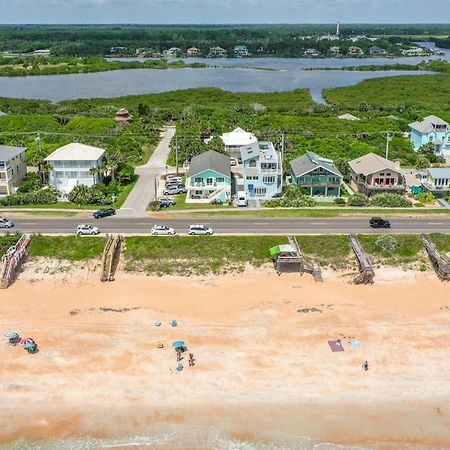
pixel 284 248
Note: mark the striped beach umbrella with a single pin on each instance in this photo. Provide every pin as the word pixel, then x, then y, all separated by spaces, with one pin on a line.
pixel 27 341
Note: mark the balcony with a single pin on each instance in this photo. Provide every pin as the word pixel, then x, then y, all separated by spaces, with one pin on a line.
pixel 433 188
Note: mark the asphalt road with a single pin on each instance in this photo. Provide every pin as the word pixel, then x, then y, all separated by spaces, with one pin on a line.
pixel 233 225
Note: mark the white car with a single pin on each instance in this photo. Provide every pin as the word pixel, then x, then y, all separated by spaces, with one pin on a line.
pixel 5 223
pixel 87 229
pixel 200 229
pixel 161 230
pixel 233 161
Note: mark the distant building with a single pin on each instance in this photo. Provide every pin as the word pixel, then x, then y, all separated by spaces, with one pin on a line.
pixel 311 53
pixel 357 38
pixel 237 138
pixel 328 37
pixel 372 174
pixel 355 51
pixel 42 52
pixel 414 51
pixel 437 180
pixel 432 130
pixel 193 51
pixel 374 50
pixel 262 170
pixel 71 166
pixel 122 115
pixel 240 50
pixel 173 51
pixel 335 51
pixel 316 174
pixel 209 178
pixel 217 52
pixel 348 116
pixel 13 168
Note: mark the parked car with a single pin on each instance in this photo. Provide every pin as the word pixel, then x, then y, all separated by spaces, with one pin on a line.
pixel 241 199
pixel 5 223
pixel 175 185
pixel 174 180
pixel 161 230
pixel 166 202
pixel 378 222
pixel 86 229
pixel 200 229
pixel 104 213
pixel 172 175
pixel 173 190
pixel 233 161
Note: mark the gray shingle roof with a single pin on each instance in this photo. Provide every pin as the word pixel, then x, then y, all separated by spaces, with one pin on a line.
pixel 310 161
pixel 439 172
pixel 7 152
pixel 371 163
pixel 426 126
pixel 210 160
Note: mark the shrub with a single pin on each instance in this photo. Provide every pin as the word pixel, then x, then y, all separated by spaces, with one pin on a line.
pixel 386 242
pixel 154 205
pixel 426 197
pixel 358 200
pixel 89 195
pixel 38 197
pixel 30 183
pixel 391 201
pixel 339 201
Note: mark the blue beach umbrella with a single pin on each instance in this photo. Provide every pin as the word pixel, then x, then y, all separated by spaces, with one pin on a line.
pixel 178 344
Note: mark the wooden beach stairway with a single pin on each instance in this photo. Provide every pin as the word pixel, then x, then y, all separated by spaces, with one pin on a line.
pixel 366 273
pixel 111 255
pixel 306 265
pixel 12 260
pixel 440 261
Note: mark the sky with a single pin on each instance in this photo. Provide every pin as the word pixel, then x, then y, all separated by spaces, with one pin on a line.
pixel 224 11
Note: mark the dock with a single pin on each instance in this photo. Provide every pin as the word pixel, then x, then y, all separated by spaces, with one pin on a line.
pixel 439 260
pixel 366 273
pixel 12 261
pixel 111 256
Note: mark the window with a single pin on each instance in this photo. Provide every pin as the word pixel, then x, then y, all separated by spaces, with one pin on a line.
pixel 260 191
pixel 220 180
pixel 252 178
pixel 269 180
pixel 252 163
pixel 209 181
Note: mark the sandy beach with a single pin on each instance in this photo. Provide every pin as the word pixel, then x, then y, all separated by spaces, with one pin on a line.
pixel 265 376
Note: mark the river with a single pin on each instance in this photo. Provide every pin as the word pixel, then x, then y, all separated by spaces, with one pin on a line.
pixel 287 75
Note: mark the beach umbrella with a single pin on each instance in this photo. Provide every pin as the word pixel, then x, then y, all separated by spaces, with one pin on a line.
pixel 11 335
pixel 173 323
pixel 178 344
pixel 29 345
pixel 27 341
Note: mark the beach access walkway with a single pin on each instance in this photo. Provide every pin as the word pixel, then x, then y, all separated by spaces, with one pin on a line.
pixel 149 175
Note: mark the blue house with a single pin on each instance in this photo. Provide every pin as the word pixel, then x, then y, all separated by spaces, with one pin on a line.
pixel 433 130
pixel 261 170
pixel 240 50
pixel 209 178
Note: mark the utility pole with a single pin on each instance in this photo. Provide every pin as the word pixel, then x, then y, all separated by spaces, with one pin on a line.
pixel 176 152
pixel 156 190
pixel 388 139
pixel 282 146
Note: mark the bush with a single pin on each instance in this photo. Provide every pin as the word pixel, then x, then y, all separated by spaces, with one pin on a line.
pixel 30 183
pixel 154 205
pixel 339 201
pixel 387 243
pixel 426 197
pixel 38 197
pixel 358 200
pixel 89 195
pixel 391 201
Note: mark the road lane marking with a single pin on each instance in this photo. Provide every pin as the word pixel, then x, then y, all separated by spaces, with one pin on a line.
pixel 435 223
pixel 319 223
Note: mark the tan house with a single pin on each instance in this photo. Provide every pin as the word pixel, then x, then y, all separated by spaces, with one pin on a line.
pixel 355 51
pixel 193 51
pixel 13 168
pixel 372 174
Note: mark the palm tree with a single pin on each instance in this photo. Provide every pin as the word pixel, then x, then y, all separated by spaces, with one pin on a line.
pixel 94 171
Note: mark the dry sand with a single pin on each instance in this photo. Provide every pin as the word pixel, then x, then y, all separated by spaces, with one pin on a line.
pixel 261 365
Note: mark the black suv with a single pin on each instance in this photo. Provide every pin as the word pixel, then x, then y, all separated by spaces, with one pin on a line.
pixel 166 202
pixel 378 222
pixel 104 213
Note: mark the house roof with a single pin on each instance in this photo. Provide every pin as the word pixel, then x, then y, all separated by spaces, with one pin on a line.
pixel 7 152
pixel 439 172
pixel 426 126
pixel 348 116
pixel 76 152
pixel 310 161
pixel 371 163
pixel 210 160
pixel 238 137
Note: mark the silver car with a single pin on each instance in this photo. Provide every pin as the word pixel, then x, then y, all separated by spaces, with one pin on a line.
pixel 86 229
pixel 158 230
pixel 199 229
pixel 5 223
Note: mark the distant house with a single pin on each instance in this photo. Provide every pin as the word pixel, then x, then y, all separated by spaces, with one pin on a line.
pixel 42 52
pixel 355 51
pixel 414 51
pixel 173 51
pixel 216 52
pixel 432 130
pixel 193 51
pixel 237 138
pixel 13 168
pixel 437 180
pixel 374 50
pixel 311 53
pixel 316 174
pixel 372 174
pixel 348 116
pixel 262 170
pixel 328 37
pixel 209 178
pixel 240 50
pixel 335 51
pixel 122 115
pixel 114 50
pixel 71 166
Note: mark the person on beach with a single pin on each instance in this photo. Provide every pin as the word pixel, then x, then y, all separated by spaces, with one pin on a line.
pixel 178 355
pixel 365 366
pixel 191 360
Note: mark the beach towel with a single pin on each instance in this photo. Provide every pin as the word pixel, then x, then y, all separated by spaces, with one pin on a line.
pixel 336 346
pixel 354 343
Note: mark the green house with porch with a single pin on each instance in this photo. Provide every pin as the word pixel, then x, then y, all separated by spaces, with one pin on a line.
pixel 317 175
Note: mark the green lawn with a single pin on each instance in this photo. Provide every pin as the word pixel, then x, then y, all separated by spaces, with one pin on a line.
pixel 182 205
pixel 328 251
pixel 442 241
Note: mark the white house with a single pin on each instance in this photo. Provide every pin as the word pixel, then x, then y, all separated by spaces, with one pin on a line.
pixel 71 165
pixel 237 138
pixel 13 168
pixel 437 180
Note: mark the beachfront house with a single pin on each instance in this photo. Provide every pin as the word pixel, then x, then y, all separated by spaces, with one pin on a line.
pixel 316 174
pixel 335 50
pixel 355 51
pixel 262 170
pixel 311 53
pixel 209 178
pixel 193 51
pixel 235 139
pixel 374 50
pixel 123 115
pixel 71 166
pixel 13 168
pixel 372 174
pixel 172 51
pixel 240 50
pixel 414 51
pixel 432 130
pixel 437 180
pixel 216 52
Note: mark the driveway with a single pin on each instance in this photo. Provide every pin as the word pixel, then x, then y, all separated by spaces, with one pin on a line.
pixel 149 175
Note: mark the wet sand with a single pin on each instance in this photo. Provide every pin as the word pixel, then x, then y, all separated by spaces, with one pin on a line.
pixel 260 364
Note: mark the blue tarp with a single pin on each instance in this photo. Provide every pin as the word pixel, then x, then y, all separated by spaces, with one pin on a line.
pixel 354 343
pixel 178 344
